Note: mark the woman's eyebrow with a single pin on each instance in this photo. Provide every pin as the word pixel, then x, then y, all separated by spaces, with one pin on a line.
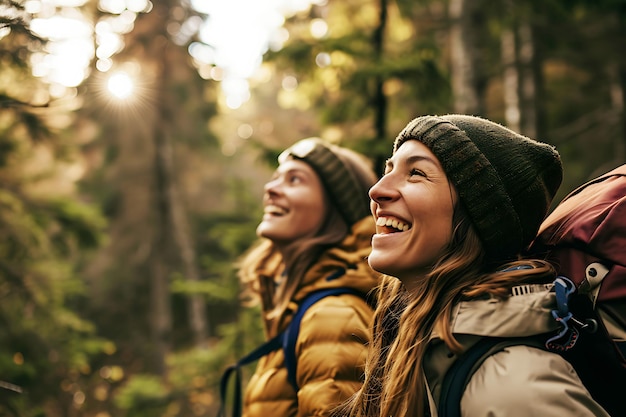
pixel 298 171
pixel 412 159
pixel 418 158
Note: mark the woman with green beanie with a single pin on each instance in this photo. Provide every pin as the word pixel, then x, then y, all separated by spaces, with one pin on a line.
pixel 315 235
pixel 460 199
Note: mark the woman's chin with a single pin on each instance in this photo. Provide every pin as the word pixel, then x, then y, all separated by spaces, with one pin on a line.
pixel 379 263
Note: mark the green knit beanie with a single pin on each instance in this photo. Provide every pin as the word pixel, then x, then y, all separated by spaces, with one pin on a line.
pixel 346 175
pixel 505 181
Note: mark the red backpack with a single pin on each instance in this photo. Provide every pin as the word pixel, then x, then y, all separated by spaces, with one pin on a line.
pixel 585 239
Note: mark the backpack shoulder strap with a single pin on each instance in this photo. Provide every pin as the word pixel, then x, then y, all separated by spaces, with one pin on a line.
pixel 461 371
pixel 235 370
pixel 290 336
pixel 285 340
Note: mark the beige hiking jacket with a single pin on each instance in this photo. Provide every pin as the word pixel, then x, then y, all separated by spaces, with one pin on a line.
pixel 519 381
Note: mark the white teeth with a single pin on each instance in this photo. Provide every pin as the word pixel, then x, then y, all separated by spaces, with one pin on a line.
pixel 384 221
pixel 272 209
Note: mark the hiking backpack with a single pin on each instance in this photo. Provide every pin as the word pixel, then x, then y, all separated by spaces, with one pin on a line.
pixel 585 239
pixel 286 340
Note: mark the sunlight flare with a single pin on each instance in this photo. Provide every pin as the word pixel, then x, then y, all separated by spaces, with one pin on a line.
pixel 120 85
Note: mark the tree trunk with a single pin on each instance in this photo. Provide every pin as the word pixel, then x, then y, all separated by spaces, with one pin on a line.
pixel 160 295
pixel 619 97
pixel 622 112
pixel 172 245
pixel 463 57
pixel 160 310
pixel 173 211
pixel 174 215
pixel 510 84
pixel 528 81
pixel 380 100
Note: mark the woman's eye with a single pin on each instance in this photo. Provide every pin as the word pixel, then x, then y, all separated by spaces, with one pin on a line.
pixel 295 179
pixel 415 171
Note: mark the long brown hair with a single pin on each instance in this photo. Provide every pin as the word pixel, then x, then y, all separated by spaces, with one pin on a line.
pixel 405 321
pixel 260 284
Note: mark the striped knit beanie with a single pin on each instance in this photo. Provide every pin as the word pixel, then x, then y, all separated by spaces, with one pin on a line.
pixel 346 175
pixel 505 181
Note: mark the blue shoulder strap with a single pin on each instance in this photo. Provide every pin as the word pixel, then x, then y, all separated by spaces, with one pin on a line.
pixel 458 376
pixel 286 339
pixel 290 335
pixel 267 347
pixel 461 371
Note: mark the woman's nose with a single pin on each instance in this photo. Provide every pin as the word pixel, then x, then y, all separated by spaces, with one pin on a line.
pixel 272 186
pixel 383 190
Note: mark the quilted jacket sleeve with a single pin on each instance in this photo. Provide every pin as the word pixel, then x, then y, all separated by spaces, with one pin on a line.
pixel 331 351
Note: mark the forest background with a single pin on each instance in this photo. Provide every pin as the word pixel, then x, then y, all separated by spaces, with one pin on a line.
pixel 121 219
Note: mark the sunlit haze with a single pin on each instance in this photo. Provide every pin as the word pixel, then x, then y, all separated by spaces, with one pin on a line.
pixel 239 32
pixel 70 50
pixel 233 39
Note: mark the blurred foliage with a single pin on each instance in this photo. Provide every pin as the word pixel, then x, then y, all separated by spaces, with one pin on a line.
pixel 78 332
pixel 577 58
pixel 194 374
pixel 45 231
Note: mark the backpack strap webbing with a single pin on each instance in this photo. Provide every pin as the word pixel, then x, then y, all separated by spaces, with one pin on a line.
pixel 291 333
pixel 285 340
pixel 461 371
pixel 235 369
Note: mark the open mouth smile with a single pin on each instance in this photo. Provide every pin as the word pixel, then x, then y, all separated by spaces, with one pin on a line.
pixel 274 210
pixel 389 225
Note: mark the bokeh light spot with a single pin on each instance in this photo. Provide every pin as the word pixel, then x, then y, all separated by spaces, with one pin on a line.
pixel 120 85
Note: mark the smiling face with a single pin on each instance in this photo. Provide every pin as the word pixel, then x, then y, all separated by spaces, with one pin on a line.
pixel 413 204
pixel 295 204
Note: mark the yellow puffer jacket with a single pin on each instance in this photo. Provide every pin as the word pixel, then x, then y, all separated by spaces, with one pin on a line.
pixel 331 346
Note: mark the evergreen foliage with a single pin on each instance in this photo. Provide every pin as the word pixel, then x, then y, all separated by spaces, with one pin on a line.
pixel 101 272
pixel 46 345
